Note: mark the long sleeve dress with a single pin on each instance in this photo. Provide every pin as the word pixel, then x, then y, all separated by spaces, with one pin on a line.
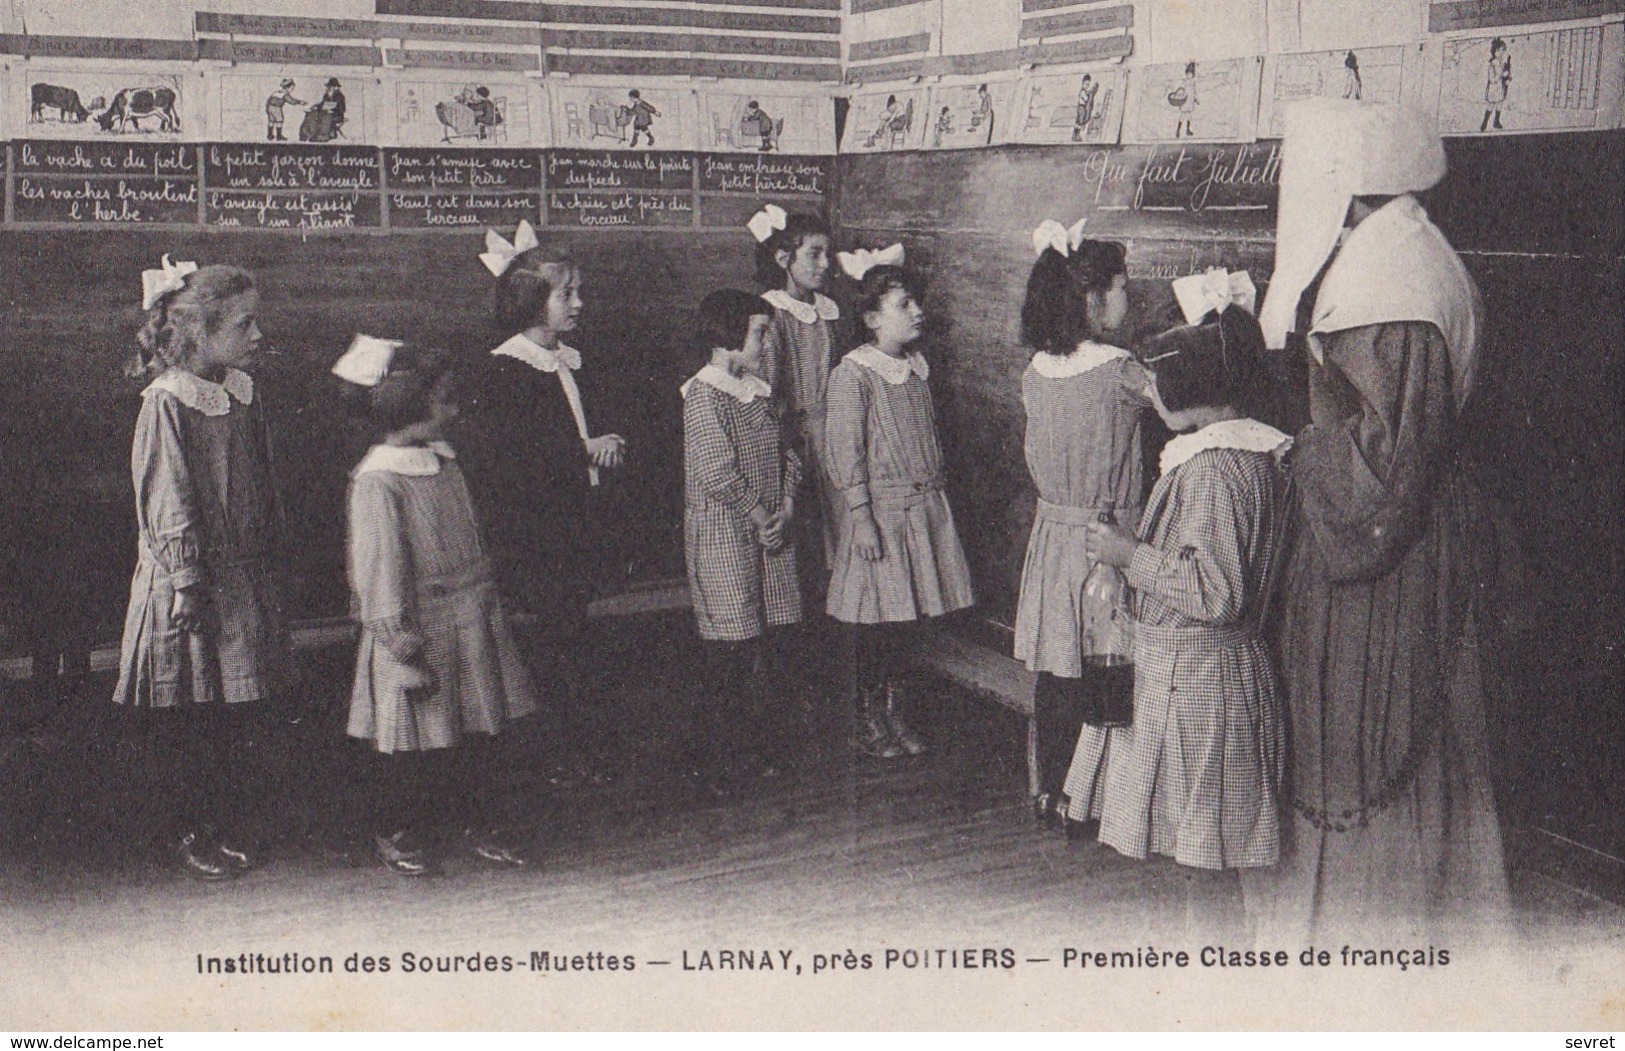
pixel 426 598
pixel 1197 777
pixel 208 518
pixel 735 459
pixel 798 352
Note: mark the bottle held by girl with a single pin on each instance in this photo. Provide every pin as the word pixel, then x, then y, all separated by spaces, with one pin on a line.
pixel 204 650
pixel 898 557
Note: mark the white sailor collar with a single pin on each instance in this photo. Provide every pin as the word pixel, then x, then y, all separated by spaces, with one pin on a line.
pixel 537 356
pixel 744 389
pixel 892 370
pixel 1247 435
pixel 1087 357
pixel 821 308
pixel 205 396
pixel 414 461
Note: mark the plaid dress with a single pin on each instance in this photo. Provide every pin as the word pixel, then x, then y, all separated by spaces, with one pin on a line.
pixel 1196 777
pixel 881 449
pixel 734 460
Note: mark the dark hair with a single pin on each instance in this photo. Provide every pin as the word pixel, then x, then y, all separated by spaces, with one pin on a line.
pixel 1055 314
pixel 525 287
pixel 723 320
pixel 178 323
pixel 1190 69
pixel 405 395
pixel 1497 45
pixel 797 228
pixel 1217 362
pixel 880 282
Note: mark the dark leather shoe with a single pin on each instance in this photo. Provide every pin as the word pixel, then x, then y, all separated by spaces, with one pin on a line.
pixel 401 859
pixel 202 860
pixel 1081 831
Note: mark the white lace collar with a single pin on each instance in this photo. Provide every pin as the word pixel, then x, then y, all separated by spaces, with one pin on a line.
pixel 822 307
pixel 415 461
pixel 745 389
pixel 892 370
pixel 1088 356
pixel 205 396
pixel 1249 435
pixel 537 356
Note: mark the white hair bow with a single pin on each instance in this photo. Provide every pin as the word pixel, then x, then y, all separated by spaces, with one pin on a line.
pixel 1051 234
pixel 366 363
pixel 499 253
pixel 1217 288
pixel 856 264
pixel 155 284
pixel 764 222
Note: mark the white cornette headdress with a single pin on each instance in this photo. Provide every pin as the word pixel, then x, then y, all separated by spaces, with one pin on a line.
pixel 155 284
pixel 500 253
pixel 765 222
pixel 1051 234
pixel 857 263
pixel 366 363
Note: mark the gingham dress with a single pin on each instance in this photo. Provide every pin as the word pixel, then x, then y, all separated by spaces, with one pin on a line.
pixel 797 357
pixel 425 595
pixel 881 449
pixel 1197 775
pixel 734 460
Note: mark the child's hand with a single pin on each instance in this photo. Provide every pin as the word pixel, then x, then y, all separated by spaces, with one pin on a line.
pixel 186 611
pixel 417 680
pixel 771 532
pixel 866 536
pixel 606 450
pixel 1111 544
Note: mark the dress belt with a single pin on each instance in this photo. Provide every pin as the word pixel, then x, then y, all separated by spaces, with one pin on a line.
pixel 1065 514
pixel 902 489
pixel 1184 636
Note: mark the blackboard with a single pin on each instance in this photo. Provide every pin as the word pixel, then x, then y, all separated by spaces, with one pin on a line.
pixel 432 169
pixel 101 182
pixel 622 170
pixel 762 175
pixel 236 167
pixel 107 158
pixel 429 211
pixel 629 208
pixel 306 211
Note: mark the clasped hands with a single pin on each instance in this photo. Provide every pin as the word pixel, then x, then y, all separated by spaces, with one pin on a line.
pixel 772 528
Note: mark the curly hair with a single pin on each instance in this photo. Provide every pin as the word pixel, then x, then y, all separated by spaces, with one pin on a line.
pixel 525 287
pixel 797 228
pixel 180 321
pixel 1055 314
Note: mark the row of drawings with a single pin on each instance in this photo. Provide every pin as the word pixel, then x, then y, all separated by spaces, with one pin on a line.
pixel 1562 80
pixel 159 101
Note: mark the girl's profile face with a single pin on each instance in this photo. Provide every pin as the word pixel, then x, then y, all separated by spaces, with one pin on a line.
pixel 564 304
pixel 1109 308
pixel 443 407
pixel 750 355
pixel 236 337
pixel 807 268
pixel 897 320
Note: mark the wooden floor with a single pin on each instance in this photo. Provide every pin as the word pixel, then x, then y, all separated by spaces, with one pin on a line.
pixel 934 857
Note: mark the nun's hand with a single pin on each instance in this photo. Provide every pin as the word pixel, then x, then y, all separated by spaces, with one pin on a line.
pixel 1109 543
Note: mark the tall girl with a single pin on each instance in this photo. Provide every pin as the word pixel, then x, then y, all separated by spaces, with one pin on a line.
pixel 436 667
pixel 897 554
pixel 203 639
pixel 1084 401
pixel 1196 779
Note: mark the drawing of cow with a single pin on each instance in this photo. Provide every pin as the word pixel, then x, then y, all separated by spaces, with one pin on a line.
pixel 64 100
pixel 133 105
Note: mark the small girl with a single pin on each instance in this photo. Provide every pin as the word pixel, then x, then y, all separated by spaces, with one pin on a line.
pixel 436 666
pixel 740 479
pixel 897 555
pixel 203 639
pixel 1196 778
pixel 1084 401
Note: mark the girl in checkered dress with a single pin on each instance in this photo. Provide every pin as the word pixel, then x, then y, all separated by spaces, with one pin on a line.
pixel 740 479
pixel 437 676
pixel 1196 776
pixel 897 554
pixel 204 647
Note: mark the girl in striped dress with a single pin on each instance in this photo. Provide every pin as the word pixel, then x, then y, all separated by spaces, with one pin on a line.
pixel 437 676
pixel 897 554
pixel 740 479
pixel 1196 777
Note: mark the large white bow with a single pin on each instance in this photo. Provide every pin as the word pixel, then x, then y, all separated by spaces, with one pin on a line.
pixel 366 363
pixel 1217 288
pixel 764 222
pixel 155 284
pixel 500 253
pixel 856 264
pixel 1051 234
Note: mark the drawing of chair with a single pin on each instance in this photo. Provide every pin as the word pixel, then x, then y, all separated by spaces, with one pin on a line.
pixel 460 121
pixel 574 127
pixel 900 126
pixel 721 135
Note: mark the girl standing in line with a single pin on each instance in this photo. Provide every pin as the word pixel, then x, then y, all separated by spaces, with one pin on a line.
pixel 897 556
pixel 204 647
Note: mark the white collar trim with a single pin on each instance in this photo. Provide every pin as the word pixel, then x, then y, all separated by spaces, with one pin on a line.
pixel 892 370
pixel 205 396
pixel 414 461
pixel 1087 357
pixel 744 389
pixel 539 357
pixel 1244 434
pixel 821 308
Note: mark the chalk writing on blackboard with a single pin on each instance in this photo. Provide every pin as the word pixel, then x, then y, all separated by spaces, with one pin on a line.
pixel 604 170
pixel 724 173
pixel 620 209
pixel 107 158
pixel 417 210
pixel 86 200
pixel 429 169
pixel 1183 178
pixel 290 168
pixel 292 211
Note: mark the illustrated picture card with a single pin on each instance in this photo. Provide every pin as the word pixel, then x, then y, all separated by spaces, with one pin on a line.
pixel 1376 74
pixel 1562 80
pixel 137 102
pixel 1202 101
pixel 629 115
pixel 760 122
pixel 885 121
pixel 293 104
pixel 960 116
pixel 468 110
pixel 1083 107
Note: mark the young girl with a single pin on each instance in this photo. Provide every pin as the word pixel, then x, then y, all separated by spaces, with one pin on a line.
pixel 897 555
pixel 740 480
pixel 436 666
pixel 1197 777
pixel 203 639
pixel 1084 402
